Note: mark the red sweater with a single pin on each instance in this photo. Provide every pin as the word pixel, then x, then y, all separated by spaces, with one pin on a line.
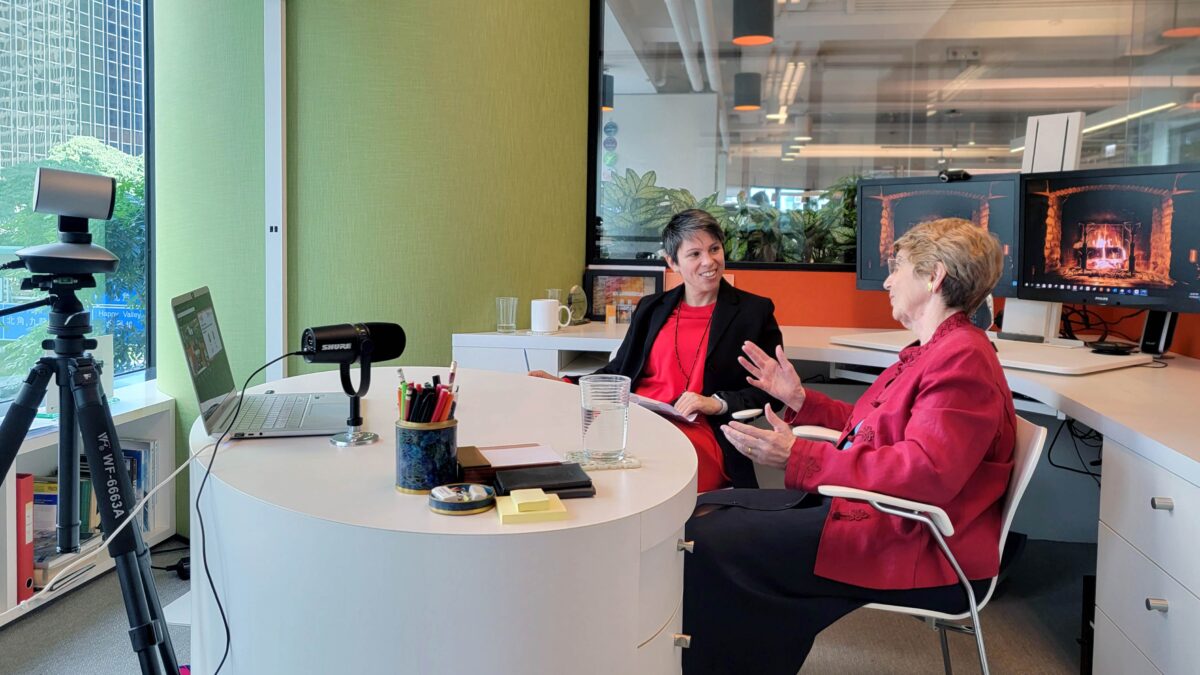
pixel 937 427
pixel 663 380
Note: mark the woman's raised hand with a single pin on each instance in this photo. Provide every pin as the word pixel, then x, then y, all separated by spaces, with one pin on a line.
pixel 776 376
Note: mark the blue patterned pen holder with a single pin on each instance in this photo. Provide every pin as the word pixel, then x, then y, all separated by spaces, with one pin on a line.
pixel 426 455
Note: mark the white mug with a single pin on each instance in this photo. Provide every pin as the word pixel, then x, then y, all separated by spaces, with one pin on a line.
pixel 544 316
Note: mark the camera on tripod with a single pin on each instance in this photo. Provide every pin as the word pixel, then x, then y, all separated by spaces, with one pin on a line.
pixel 61 269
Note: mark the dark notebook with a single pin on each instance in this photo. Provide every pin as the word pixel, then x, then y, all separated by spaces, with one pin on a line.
pixel 548 478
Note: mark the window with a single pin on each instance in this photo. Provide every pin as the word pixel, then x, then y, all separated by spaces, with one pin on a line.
pixel 61 135
pixel 873 89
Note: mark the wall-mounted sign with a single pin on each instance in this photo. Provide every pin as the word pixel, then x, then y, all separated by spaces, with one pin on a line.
pixel 610 128
pixel 610 143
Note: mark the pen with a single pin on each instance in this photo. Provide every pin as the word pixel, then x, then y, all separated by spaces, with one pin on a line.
pixel 453 372
pixel 401 392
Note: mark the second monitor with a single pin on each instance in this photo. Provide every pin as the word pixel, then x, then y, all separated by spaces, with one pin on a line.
pixel 889 207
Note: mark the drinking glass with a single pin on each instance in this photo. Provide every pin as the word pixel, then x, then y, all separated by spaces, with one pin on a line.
pixel 506 315
pixel 605 401
pixel 554 294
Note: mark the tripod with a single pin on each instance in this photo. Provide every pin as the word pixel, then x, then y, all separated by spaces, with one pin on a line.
pixel 83 405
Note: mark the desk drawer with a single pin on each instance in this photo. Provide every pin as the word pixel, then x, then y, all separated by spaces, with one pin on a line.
pixel 1127 579
pixel 1114 654
pixel 1171 538
pixel 660 585
pixel 660 655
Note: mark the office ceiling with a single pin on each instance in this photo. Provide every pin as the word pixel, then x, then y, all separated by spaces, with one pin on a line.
pixel 880 78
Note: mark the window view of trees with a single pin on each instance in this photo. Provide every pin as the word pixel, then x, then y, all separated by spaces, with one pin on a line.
pixel 118 303
pixel 72 97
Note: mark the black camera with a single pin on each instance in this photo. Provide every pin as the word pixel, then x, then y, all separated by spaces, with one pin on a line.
pixel 951 175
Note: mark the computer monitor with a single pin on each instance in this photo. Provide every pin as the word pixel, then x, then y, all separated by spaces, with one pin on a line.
pixel 889 207
pixel 1112 237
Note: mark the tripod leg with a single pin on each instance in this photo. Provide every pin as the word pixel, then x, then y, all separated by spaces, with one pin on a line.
pixel 166 648
pixel 15 424
pixel 68 467
pixel 111 483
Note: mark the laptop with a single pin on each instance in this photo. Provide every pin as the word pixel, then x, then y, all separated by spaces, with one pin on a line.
pixel 262 415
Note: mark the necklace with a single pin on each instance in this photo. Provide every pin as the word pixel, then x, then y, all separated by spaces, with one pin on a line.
pixel 687 375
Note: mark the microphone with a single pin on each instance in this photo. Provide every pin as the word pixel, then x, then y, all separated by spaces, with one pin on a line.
pixel 348 342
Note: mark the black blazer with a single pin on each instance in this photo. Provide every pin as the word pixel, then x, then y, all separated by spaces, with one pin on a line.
pixel 738 316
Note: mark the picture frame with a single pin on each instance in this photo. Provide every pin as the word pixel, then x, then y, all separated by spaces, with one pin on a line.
pixel 604 286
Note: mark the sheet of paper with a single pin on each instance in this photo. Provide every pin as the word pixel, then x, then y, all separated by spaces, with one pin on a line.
pixel 500 456
pixel 665 409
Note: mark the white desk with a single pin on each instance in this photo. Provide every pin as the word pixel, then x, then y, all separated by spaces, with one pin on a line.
pixel 1043 358
pixel 1150 419
pixel 324 567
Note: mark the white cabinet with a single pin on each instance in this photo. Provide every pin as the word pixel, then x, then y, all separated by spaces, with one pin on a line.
pixel 139 411
pixel 1147 580
pixel 575 350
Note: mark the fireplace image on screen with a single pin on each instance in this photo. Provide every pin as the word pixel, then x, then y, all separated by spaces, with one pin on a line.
pixel 1106 249
pixel 890 207
pixel 1109 234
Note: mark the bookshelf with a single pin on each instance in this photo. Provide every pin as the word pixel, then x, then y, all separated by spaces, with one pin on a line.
pixel 139 411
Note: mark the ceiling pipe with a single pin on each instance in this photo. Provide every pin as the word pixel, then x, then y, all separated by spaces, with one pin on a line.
pixel 712 64
pixel 684 36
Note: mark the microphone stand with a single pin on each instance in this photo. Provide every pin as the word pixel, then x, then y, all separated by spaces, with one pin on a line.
pixel 354 435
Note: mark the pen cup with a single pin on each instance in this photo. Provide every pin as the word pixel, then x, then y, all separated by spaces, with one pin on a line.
pixel 426 455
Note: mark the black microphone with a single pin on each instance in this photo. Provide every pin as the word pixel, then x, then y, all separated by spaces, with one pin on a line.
pixel 348 342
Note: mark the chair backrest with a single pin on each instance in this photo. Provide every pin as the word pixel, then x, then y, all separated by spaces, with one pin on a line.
pixel 1026 455
pixel 1027 452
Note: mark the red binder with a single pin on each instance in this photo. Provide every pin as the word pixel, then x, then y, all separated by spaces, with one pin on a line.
pixel 24 536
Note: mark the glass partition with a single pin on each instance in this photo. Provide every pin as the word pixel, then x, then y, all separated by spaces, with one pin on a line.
pixel 771 137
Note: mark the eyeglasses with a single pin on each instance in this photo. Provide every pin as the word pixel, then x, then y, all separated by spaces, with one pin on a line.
pixel 893 264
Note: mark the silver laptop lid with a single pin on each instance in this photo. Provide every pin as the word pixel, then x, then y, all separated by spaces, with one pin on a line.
pixel 205 353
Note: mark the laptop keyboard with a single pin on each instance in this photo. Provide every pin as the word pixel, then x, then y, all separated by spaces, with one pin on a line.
pixel 271 412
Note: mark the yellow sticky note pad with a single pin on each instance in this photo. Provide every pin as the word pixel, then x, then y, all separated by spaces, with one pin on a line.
pixel 507 509
pixel 530 499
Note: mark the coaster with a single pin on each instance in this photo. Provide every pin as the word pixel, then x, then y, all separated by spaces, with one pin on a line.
pixel 629 462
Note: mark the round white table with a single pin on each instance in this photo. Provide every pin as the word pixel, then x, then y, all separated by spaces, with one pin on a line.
pixel 322 566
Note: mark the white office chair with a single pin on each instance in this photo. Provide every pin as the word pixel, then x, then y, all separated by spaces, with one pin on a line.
pixel 1030 438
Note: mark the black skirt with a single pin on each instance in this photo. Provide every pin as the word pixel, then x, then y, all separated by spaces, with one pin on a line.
pixel 751 602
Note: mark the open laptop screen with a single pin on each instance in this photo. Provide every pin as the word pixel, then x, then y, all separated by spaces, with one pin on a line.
pixel 203 349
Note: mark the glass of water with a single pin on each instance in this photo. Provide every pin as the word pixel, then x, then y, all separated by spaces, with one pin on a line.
pixel 605 400
pixel 506 315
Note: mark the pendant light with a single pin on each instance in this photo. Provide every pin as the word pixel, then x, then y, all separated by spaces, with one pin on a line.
pixel 1188 27
pixel 753 22
pixel 606 93
pixel 747 91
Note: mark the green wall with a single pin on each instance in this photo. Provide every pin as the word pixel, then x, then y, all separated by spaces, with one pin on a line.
pixel 208 186
pixel 436 159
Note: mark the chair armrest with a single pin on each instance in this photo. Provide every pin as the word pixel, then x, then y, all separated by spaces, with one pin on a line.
pixel 937 515
pixel 816 433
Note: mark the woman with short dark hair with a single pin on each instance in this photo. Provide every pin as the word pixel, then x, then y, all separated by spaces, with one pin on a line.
pixel 682 346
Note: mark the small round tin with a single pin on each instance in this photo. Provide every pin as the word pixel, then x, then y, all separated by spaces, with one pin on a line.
pixel 455 499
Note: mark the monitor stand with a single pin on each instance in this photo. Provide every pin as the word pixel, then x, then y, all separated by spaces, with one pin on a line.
pixel 1034 321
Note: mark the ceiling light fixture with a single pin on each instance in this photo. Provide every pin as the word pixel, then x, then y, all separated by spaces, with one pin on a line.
pixel 753 22
pixel 747 91
pixel 1188 28
pixel 1130 116
pixel 606 93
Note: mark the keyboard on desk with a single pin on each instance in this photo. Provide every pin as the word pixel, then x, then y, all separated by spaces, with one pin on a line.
pixel 271 412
